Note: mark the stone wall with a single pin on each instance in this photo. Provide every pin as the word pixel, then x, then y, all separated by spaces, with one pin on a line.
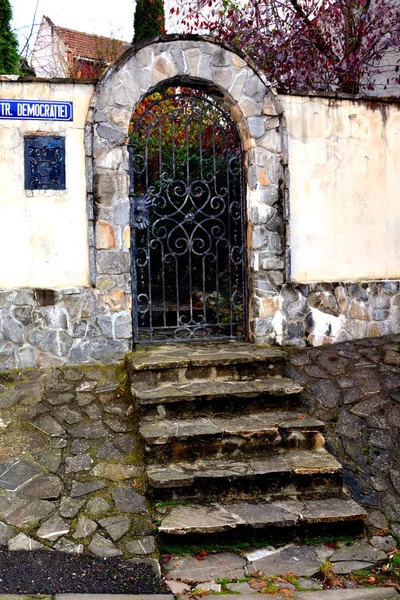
pixel 75 479
pixel 324 313
pixel 65 293
pixel 354 388
pixel 52 327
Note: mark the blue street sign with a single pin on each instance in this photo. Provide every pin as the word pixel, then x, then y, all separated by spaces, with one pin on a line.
pixel 36 110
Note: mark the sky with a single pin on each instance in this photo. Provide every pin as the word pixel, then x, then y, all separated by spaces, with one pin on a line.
pixel 111 19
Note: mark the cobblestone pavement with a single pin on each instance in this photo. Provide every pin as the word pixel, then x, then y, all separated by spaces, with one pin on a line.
pixel 70 472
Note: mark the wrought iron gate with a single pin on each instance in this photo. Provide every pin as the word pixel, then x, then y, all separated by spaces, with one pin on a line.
pixel 187 220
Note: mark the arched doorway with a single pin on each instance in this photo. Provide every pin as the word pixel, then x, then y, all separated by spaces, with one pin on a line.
pixel 234 86
pixel 188 251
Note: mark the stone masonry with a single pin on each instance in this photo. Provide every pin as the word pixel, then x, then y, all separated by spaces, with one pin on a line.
pixel 70 468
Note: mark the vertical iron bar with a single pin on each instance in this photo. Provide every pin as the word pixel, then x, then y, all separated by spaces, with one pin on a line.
pixel 204 290
pixel 228 211
pixel 134 316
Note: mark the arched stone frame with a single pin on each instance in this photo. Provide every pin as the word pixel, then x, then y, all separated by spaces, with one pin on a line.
pixel 256 110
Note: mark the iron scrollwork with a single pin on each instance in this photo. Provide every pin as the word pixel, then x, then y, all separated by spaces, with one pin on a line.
pixel 188 221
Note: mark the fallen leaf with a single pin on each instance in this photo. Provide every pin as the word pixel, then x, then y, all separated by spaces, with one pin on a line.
pixel 257 584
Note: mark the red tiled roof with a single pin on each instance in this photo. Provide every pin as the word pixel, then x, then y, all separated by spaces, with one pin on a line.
pixel 90 46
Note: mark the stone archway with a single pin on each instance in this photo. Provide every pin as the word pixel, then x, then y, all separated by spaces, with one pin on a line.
pixel 254 108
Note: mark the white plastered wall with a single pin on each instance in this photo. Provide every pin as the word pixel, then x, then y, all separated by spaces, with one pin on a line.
pixel 44 233
pixel 344 189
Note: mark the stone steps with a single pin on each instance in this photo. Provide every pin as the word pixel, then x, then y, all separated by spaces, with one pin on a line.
pixel 244 435
pixel 288 473
pixel 210 390
pixel 219 517
pixel 225 433
pixel 180 356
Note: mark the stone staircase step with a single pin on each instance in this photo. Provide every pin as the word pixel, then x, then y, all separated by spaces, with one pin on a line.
pixel 285 473
pixel 182 355
pixel 208 390
pixel 172 439
pixel 219 517
pixel 340 594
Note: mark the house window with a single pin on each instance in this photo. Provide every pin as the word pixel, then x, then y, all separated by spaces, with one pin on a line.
pixel 44 162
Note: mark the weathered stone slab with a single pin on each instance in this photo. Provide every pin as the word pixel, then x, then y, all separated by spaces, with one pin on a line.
pixel 386 543
pixel 80 446
pixel 119 425
pixel 23 542
pixel 298 560
pixel 53 529
pixel 116 472
pixel 331 509
pixel 347 566
pixel 81 462
pixel 170 356
pixel 5 533
pixel 261 515
pixel 161 432
pixel 360 551
pixel 51 460
pixel 59 399
pixel 29 513
pixel 216 389
pixel 89 431
pixel 68 546
pixel 185 474
pixel 198 519
pixel 81 489
pixel 46 487
pixel 49 425
pixel 16 473
pixel 108 450
pixel 69 507
pixel 144 545
pixel 128 501
pixel 116 527
pixel 311 463
pixel 69 415
pixel 84 528
pixel 224 565
pixel 97 506
pixel 100 546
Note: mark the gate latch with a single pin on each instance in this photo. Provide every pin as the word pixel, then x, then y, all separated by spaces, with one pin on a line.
pixel 140 218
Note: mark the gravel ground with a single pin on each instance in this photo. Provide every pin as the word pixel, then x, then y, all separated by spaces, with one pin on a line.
pixel 51 572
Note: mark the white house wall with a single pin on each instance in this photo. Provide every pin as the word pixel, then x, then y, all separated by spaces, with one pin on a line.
pixel 44 241
pixel 49 58
pixel 344 189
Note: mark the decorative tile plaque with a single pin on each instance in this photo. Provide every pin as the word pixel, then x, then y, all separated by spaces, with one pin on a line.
pixel 44 162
